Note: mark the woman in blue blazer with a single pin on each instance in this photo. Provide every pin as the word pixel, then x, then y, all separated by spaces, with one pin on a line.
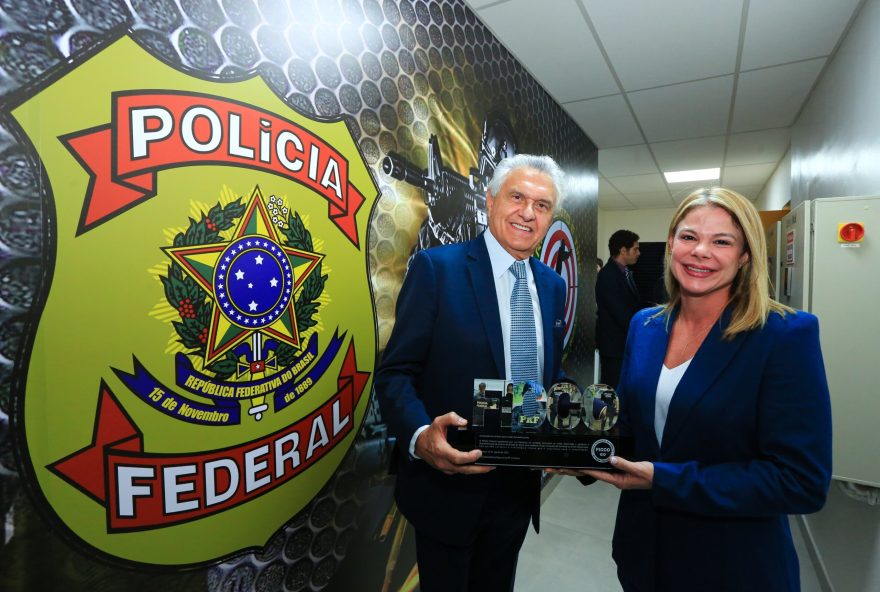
pixel 725 395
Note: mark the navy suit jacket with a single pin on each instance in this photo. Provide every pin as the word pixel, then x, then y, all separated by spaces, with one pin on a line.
pixel 447 333
pixel 616 304
pixel 747 441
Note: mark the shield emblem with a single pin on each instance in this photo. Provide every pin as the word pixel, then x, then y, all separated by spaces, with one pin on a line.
pixel 558 252
pixel 202 358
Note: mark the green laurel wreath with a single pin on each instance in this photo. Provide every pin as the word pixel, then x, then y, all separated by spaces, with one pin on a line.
pixel 194 306
pixel 306 305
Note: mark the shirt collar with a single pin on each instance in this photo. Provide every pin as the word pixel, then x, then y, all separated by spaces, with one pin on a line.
pixel 501 260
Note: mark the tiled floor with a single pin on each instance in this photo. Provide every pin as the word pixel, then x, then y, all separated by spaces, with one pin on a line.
pixel 573 551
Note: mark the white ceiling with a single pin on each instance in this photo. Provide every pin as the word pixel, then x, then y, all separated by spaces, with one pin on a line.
pixel 668 85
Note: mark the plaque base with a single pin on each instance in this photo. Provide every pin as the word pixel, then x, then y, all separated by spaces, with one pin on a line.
pixel 544 450
pixel 521 424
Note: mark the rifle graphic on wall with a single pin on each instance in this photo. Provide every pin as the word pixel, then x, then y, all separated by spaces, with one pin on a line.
pixel 456 204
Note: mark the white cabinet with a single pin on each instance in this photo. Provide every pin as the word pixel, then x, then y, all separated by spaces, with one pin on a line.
pixel 839 282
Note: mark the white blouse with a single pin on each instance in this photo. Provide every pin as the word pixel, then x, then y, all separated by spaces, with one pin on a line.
pixel 666 385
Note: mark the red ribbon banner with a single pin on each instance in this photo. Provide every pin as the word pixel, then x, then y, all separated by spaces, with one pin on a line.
pixel 156 130
pixel 143 490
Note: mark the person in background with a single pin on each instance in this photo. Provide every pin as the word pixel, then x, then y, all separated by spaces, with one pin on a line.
pixel 724 392
pixel 470 521
pixel 617 300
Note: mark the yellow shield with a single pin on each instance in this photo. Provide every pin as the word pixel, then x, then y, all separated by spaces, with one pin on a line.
pixel 205 347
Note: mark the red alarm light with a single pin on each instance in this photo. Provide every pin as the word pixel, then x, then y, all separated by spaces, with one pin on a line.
pixel 850 232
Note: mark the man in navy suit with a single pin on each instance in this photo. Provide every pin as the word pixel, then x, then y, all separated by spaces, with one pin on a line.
pixel 617 300
pixel 454 325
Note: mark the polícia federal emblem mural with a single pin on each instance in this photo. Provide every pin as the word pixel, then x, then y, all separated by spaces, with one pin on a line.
pixel 203 357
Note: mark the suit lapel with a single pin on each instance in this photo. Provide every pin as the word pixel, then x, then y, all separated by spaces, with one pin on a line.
pixel 548 319
pixel 707 365
pixel 626 288
pixel 630 287
pixel 483 283
pixel 649 357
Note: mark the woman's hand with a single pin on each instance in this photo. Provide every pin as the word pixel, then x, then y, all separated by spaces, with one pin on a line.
pixel 635 475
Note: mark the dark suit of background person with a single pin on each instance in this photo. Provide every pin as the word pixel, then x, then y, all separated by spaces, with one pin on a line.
pixel 616 303
pixel 448 332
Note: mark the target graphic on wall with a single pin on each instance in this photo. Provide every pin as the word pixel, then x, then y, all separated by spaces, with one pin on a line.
pixel 558 252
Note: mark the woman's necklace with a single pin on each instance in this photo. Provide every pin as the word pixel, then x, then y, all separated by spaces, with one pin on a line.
pixel 696 337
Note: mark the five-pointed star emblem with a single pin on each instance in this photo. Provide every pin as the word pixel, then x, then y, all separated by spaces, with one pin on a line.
pixel 252 279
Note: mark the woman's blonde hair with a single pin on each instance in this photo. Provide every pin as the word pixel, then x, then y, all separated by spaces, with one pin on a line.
pixel 750 291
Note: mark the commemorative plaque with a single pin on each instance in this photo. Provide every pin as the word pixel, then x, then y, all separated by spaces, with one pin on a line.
pixel 522 424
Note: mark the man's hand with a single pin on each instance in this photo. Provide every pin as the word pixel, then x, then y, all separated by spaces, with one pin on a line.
pixel 432 447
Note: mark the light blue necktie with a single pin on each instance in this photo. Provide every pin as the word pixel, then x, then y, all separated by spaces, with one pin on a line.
pixel 523 341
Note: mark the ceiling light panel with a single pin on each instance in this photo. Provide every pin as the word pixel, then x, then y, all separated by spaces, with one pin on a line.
pixel 693 175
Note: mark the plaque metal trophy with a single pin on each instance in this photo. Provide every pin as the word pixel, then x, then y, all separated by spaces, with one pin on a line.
pixel 522 424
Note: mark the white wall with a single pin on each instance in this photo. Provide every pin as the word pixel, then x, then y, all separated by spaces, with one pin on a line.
pixel 835 151
pixel 777 191
pixel 650 225
pixel 835 143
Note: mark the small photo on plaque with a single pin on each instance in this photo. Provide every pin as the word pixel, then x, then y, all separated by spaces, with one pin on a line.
pixel 487 402
pixel 529 405
pixel 605 419
pixel 564 405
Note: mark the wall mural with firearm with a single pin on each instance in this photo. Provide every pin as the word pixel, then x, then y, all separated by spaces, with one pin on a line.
pixel 206 212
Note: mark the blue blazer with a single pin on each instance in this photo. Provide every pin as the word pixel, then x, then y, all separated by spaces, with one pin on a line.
pixel 447 333
pixel 747 441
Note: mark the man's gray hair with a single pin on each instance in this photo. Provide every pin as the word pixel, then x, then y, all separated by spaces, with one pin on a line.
pixel 544 164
